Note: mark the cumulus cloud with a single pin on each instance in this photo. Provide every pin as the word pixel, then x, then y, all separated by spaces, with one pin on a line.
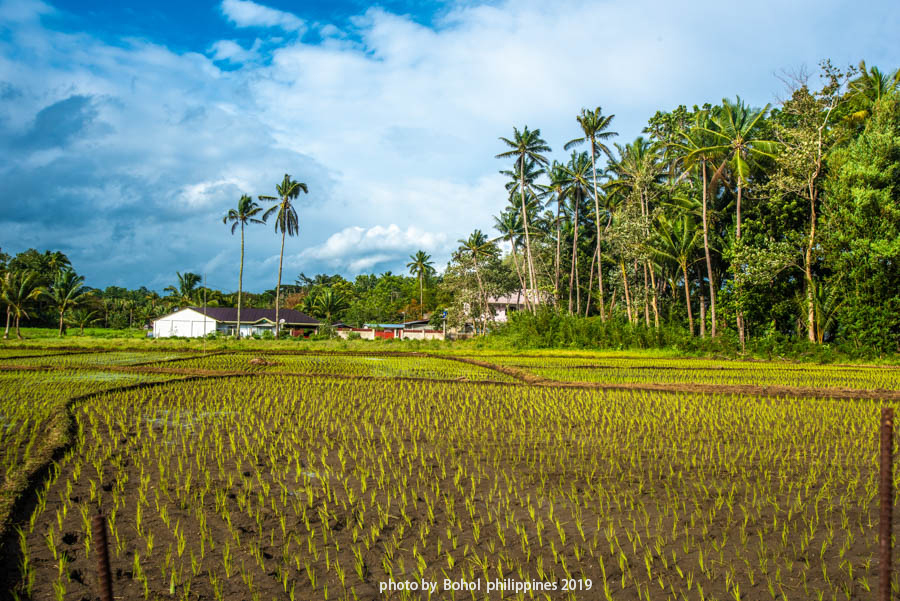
pixel 245 13
pixel 360 249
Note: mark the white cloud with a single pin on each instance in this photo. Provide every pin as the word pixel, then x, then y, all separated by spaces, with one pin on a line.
pixel 231 51
pixel 358 248
pixel 245 13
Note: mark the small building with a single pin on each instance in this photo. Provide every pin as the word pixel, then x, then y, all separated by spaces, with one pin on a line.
pixel 194 322
pixel 416 329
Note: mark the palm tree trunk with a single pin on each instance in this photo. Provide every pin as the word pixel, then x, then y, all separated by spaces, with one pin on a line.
pixel 278 287
pixel 18 333
pixel 709 272
pixel 597 222
pixel 558 247
pixel 627 293
pixel 573 274
pixel 702 312
pixel 8 314
pixel 519 273
pixel 646 297
pixel 525 223
pixel 421 295
pixel 61 311
pixel 687 297
pixel 587 306
pixel 600 277
pixel 740 311
pixel 653 299
pixel 237 332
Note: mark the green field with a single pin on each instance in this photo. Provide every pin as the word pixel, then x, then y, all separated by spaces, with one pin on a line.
pixel 326 474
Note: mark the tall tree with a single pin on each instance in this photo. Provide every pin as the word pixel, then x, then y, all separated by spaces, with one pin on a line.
pixel 526 145
pixel 19 292
pixel 576 188
pixel 639 171
pixel 593 125
pixel 806 133
pixel 676 239
pixel 66 293
pixel 702 151
pixel 244 214
pixel 287 222
pixel 736 135
pixel 421 266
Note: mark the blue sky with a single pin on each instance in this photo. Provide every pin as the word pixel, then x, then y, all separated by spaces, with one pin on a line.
pixel 126 132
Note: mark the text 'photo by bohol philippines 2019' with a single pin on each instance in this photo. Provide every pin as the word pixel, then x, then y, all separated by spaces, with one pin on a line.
pixel 463 300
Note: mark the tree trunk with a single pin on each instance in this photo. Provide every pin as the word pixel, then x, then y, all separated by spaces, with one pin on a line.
pixel 525 223
pixel 487 311
pixel 600 277
pixel 278 287
pixel 597 222
pixel 687 297
pixel 519 273
pixel 421 295
pixel 810 285
pixel 646 297
pixel 740 311
pixel 702 313
pixel 573 274
pixel 6 332
pixel 627 294
pixel 558 247
pixel 709 272
pixel 237 332
pixel 18 333
pixel 61 322
pixel 653 299
pixel 587 306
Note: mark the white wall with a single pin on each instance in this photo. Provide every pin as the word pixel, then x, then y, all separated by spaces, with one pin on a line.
pixel 186 323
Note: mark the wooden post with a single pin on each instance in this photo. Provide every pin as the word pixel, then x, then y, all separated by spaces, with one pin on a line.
pixel 887 502
pixel 104 576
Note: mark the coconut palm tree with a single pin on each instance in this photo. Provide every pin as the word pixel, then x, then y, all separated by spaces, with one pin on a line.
pixel 509 224
pixel 81 317
pixel 576 188
pixel 639 171
pixel 593 125
pixel 737 126
pixel 67 292
pixel 329 303
pixel 19 291
pixel 244 214
pixel 735 135
pixel 477 245
pixel 676 239
pixel 421 266
pixel 526 145
pixel 700 153
pixel 184 294
pixel 869 87
pixel 286 221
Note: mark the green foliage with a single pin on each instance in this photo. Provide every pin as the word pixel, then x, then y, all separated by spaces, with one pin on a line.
pixel 863 237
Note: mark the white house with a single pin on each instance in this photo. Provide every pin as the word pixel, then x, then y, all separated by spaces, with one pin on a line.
pixel 193 322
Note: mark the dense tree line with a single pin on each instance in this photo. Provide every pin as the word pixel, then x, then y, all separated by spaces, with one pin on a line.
pixel 727 219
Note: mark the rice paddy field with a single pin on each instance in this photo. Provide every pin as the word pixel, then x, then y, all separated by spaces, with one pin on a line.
pixel 306 475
